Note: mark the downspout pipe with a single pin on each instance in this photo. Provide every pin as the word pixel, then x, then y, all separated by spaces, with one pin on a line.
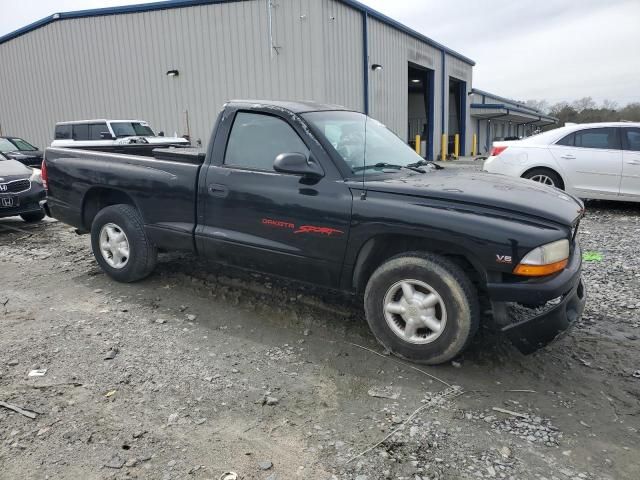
pixel 365 59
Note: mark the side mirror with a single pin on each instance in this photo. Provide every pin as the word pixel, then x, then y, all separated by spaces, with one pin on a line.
pixel 106 136
pixel 161 134
pixel 297 164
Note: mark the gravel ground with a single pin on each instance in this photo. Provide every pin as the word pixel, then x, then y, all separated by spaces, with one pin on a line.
pixel 198 371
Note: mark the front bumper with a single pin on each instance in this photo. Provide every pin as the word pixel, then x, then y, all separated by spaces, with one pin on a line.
pixel 533 333
pixel 32 200
pixel 533 313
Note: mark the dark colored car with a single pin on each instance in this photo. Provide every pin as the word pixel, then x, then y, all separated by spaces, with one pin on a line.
pixel 20 191
pixel 333 198
pixel 16 148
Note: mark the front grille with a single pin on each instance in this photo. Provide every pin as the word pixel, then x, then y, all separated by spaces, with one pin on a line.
pixel 16 186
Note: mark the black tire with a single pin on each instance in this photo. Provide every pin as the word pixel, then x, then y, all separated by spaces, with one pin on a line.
pixel 142 253
pixel 547 172
pixel 457 295
pixel 32 217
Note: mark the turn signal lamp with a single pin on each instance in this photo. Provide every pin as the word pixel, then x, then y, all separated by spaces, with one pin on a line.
pixel 545 260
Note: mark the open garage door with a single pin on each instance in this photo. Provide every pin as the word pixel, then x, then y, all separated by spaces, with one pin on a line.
pixel 420 111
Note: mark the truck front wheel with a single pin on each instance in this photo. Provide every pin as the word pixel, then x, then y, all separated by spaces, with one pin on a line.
pixel 121 245
pixel 422 307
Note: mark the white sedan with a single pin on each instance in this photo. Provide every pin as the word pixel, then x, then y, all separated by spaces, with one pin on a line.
pixel 595 160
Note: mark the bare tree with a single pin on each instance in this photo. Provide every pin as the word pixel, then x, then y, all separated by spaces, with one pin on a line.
pixel 540 105
pixel 585 103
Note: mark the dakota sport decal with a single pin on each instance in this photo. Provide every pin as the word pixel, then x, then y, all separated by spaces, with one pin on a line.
pixel 327 231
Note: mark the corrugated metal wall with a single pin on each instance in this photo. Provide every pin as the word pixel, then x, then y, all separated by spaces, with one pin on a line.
pixel 389 87
pixel 115 66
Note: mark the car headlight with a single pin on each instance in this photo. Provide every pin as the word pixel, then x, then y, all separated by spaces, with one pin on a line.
pixel 35 176
pixel 544 260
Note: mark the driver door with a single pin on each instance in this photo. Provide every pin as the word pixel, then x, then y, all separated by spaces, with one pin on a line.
pixel 257 218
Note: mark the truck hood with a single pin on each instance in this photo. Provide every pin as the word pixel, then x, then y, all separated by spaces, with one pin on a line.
pixel 485 189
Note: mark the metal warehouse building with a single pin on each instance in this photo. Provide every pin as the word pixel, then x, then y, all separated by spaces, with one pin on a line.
pixel 175 63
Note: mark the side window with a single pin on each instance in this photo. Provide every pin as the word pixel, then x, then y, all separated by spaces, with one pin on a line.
pixel 63 132
pixel 81 131
pixel 567 141
pixel 257 139
pixel 96 130
pixel 604 138
pixel 633 139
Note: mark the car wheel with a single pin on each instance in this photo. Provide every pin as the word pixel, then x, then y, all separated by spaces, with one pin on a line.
pixel 422 307
pixel 120 244
pixel 32 217
pixel 545 176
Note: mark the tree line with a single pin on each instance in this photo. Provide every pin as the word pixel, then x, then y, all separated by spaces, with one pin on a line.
pixel 586 110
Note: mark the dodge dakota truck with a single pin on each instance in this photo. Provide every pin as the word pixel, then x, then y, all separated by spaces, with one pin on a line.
pixel 331 197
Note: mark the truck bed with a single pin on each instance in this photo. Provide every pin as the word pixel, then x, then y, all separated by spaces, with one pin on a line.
pixel 163 188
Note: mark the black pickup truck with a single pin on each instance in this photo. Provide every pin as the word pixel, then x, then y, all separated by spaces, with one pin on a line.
pixel 331 197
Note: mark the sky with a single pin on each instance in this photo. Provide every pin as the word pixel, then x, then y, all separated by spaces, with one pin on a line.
pixel 554 50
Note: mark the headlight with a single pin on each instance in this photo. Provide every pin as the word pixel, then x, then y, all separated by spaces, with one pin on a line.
pixel 35 176
pixel 544 260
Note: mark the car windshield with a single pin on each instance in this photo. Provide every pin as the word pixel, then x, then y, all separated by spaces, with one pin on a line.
pixel 131 129
pixel 23 145
pixel 366 145
pixel 6 146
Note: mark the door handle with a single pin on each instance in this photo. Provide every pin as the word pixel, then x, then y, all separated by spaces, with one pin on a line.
pixel 633 162
pixel 568 157
pixel 217 190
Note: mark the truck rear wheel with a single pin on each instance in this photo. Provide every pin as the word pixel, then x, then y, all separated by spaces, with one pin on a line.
pixel 422 307
pixel 120 243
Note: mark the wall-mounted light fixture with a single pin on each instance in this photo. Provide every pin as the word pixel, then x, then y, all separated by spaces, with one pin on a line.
pixel 376 66
pixel 415 80
pixel 173 73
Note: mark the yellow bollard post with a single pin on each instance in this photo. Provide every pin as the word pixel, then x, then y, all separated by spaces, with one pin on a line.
pixel 443 147
pixel 418 144
pixel 474 145
pixel 456 145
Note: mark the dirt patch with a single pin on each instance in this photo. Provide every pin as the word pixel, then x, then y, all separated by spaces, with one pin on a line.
pixel 200 370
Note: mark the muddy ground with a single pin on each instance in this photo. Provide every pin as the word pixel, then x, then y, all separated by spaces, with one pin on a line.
pixel 199 370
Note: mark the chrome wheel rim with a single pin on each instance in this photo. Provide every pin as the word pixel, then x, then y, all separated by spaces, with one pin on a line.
pixel 544 179
pixel 114 245
pixel 414 311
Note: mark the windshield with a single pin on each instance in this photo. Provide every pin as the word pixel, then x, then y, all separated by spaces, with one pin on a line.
pixel 365 144
pixel 131 129
pixel 6 146
pixel 23 145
